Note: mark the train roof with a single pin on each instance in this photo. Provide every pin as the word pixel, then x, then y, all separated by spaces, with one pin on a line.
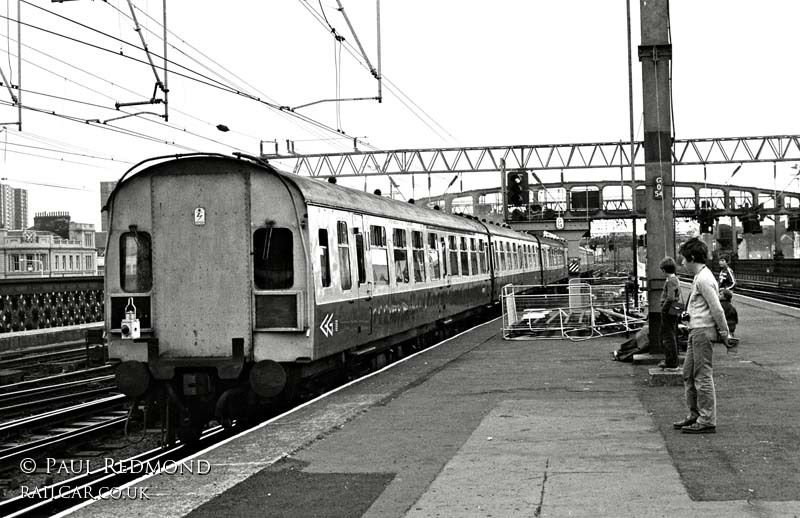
pixel 324 194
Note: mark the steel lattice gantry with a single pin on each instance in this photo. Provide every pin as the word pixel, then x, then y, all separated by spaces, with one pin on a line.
pixel 708 151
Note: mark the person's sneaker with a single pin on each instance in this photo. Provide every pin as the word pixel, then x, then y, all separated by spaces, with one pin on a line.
pixel 699 428
pixel 686 422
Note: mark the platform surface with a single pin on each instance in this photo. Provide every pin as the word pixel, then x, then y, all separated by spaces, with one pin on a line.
pixel 484 427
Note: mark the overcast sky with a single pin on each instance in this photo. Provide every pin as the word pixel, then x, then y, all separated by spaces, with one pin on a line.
pixel 479 73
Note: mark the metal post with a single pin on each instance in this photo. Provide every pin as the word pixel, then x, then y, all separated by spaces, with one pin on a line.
pixel 19 61
pixel 503 188
pixel 777 253
pixel 633 167
pixel 655 54
pixel 166 88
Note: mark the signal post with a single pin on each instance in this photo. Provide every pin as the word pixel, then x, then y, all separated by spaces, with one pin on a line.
pixel 655 54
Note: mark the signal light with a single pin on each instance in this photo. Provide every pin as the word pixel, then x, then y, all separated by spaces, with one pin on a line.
pixel 794 223
pixel 751 224
pixel 517 188
pixel 706 221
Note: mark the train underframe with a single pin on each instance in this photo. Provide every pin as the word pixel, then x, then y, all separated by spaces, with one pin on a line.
pixel 193 396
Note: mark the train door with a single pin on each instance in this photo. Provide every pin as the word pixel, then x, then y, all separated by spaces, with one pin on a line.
pixel 202 294
pixel 363 279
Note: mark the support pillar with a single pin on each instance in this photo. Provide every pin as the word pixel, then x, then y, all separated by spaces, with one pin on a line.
pixel 655 54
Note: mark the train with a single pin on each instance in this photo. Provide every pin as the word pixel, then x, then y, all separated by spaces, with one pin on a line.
pixel 231 283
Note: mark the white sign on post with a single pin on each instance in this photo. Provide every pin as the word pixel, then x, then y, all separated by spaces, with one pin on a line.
pixel 560 223
pixel 658 189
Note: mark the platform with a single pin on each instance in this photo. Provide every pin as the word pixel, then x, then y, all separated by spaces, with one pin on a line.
pixel 479 426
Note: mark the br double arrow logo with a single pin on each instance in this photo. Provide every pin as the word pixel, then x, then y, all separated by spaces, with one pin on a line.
pixel 327 326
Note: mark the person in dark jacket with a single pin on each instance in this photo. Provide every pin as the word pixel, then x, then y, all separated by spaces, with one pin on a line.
pixel 669 323
pixel 731 315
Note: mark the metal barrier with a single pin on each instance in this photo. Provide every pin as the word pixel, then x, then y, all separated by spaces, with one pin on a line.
pixel 582 309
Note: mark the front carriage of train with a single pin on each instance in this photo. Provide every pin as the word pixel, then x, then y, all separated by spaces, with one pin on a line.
pixel 206 290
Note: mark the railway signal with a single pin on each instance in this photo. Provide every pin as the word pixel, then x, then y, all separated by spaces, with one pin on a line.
pixel 794 223
pixel 751 223
pixel 517 185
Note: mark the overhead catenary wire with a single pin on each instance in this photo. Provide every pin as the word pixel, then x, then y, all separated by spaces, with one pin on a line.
pixel 115 129
pixel 61 151
pixel 282 114
pixel 208 81
pixel 102 94
pixel 394 90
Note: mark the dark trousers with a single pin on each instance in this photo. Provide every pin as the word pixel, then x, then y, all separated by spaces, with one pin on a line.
pixel 669 333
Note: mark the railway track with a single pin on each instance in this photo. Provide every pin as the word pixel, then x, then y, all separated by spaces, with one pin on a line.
pixel 33 360
pixel 768 291
pixel 57 497
pixel 30 399
pixel 58 429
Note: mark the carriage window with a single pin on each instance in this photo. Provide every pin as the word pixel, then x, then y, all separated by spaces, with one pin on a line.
pixel 272 258
pixel 324 258
pixel 482 256
pixel 136 273
pixel 464 256
pixel 453 250
pixel 400 255
pixel 379 255
pixel 443 248
pixel 433 257
pixel 344 255
pixel 473 256
pixel 503 256
pixel 514 256
pixel 361 260
pixel 418 246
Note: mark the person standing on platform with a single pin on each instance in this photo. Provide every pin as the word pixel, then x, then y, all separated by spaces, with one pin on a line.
pixel 669 322
pixel 706 323
pixel 726 279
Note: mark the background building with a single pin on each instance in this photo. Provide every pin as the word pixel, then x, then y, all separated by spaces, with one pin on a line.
pixel 20 209
pixel 54 247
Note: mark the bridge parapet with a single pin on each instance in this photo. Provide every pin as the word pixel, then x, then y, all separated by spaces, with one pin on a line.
pixel 28 304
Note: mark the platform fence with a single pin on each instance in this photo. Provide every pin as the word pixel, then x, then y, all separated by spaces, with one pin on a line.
pixel 583 309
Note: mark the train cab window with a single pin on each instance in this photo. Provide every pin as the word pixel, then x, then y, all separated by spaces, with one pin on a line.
pixel 379 255
pixel 400 255
pixel 433 256
pixel 273 266
pixel 324 258
pixel 344 255
pixel 473 256
pixel 136 272
pixel 464 256
pixel 418 252
pixel 453 249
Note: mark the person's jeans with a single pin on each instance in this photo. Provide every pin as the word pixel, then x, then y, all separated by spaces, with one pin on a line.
pixel 669 331
pixel 698 376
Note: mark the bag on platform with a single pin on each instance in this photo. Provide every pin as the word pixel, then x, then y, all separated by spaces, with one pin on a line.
pixel 677 308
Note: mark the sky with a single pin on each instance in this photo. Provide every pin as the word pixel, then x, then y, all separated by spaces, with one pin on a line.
pixel 456 73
